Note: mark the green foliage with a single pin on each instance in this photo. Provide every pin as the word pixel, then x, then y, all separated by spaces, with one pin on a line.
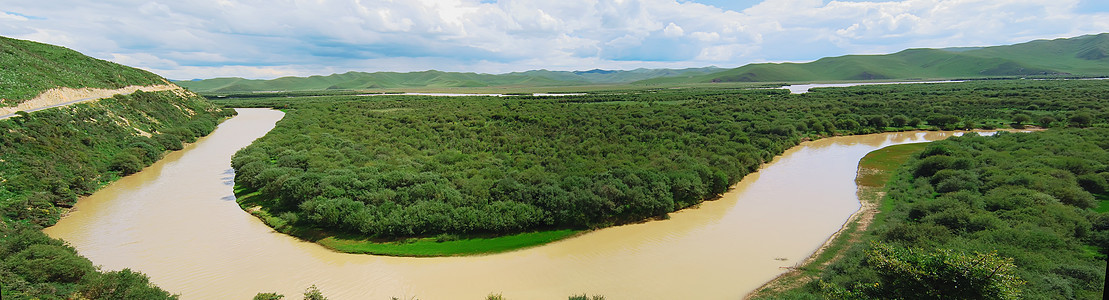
pixel 942 274
pixel 52 66
pixel 53 156
pixel 403 166
pixel 1013 208
pixel 41 263
pixel 125 284
pixel 36 266
pixel 447 244
pixel 310 293
pixel 313 293
pixel 343 83
pixel 491 165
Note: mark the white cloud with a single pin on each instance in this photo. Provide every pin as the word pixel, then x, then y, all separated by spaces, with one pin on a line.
pixel 256 38
pixel 673 30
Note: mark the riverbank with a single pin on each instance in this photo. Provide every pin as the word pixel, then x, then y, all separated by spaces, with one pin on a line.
pixel 875 170
pixel 444 245
pixel 794 203
pixel 429 246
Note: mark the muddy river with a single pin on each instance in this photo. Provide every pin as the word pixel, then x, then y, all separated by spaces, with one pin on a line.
pixel 177 221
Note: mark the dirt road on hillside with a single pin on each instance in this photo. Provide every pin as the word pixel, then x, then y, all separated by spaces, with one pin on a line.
pixel 66 96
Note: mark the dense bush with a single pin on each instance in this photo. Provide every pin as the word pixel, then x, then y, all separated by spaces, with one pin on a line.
pixel 53 156
pixel 34 266
pixel 1016 201
pixel 403 165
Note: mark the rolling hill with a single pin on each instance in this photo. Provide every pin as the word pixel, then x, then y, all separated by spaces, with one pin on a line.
pixel 435 79
pixel 1079 56
pixel 52 66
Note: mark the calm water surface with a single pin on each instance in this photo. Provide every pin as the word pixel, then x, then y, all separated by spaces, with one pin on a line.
pixel 177 221
pixel 804 88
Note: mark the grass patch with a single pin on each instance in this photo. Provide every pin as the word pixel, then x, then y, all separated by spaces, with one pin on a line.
pixel 882 162
pixel 1102 204
pixel 436 246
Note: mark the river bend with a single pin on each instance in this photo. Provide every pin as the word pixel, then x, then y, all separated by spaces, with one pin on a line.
pixel 177 221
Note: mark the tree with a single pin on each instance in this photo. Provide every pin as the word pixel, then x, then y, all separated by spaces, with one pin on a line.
pixel 313 293
pixel 40 263
pixel 899 121
pixel 946 122
pixel 1081 119
pixel 126 163
pixel 877 122
pixel 1020 119
pixel 915 122
pixel 124 284
pixel 1046 121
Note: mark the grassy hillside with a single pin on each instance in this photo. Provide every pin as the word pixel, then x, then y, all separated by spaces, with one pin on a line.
pixel 1079 56
pixel 606 76
pixel 434 79
pixel 361 80
pixel 50 158
pixel 29 68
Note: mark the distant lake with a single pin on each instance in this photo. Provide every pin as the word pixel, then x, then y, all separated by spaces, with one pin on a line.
pixel 467 95
pixel 804 88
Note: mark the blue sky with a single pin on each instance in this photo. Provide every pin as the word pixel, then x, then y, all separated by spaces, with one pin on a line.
pixel 186 39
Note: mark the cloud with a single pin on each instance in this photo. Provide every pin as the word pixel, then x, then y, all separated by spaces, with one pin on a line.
pixel 265 39
pixel 673 30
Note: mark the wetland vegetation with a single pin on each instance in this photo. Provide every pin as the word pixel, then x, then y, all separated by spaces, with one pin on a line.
pixel 1016 216
pixel 410 168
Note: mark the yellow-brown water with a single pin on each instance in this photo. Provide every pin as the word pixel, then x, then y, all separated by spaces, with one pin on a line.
pixel 177 221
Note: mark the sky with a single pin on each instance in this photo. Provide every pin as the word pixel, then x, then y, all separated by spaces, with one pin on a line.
pixel 191 39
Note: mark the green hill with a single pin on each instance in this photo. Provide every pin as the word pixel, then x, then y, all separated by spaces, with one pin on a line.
pixel 29 68
pixel 434 79
pixel 50 158
pixel 1080 56
pixel 598 76
pixel 362 80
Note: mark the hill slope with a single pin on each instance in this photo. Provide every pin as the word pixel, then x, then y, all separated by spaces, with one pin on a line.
pixel 1080 56
pixel 434 79
pixel 30 68
pixel 52 157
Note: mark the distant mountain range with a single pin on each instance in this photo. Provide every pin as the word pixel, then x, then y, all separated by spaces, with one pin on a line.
pixel 436 79
pixel 1079 56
